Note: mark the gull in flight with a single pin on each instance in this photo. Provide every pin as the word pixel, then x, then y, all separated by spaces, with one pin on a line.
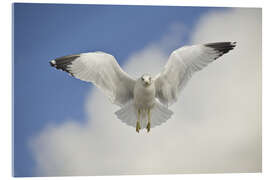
pixel 144 101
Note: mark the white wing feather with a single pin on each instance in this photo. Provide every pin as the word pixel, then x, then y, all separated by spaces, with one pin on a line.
pixel 182 64
pixel 101 69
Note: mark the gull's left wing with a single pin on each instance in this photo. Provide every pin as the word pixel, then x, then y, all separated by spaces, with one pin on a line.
pixel 102 70
pixel 182 64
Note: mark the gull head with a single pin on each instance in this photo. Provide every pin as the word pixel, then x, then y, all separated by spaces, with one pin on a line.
pixel 146 79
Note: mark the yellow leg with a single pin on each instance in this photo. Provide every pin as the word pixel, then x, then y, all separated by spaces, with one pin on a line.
pixel 149 120
pixel 138 125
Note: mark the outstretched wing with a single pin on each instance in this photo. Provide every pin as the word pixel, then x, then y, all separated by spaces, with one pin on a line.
pixel 182 64
pixel 101 69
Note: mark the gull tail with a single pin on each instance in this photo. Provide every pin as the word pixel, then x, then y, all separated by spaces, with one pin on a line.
pixel 128 114
pixel 159 114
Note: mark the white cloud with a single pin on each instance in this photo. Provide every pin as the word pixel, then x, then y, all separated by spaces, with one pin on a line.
pixel 216 125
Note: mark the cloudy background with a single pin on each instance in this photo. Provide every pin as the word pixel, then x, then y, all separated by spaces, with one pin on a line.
pixel 67 127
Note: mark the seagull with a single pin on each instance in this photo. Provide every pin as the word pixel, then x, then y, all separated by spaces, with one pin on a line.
pixel 143 101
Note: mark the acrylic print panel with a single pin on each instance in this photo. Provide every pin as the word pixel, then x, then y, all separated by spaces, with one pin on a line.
pixel 67 127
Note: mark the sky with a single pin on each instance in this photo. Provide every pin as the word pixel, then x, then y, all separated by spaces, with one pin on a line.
pixel 60 127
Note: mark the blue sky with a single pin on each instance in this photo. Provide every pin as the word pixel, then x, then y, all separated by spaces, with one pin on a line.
pixel 43 32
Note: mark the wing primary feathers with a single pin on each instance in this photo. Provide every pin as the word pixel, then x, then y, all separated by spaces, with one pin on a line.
pixel 63 62
pixel 102 70
pixel 182 64
pixel 221 47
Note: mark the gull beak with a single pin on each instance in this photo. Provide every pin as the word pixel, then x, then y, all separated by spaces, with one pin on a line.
pixel 147 83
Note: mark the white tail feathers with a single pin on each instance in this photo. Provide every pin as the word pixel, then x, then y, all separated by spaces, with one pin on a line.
pixel 129 115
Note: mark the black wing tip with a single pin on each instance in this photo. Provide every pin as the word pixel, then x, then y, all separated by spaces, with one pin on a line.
pixel 53 63
pixel 221 44
pixel 222 47
pixel 63 62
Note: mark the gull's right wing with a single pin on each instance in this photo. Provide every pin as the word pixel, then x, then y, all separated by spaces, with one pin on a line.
pixel 101 69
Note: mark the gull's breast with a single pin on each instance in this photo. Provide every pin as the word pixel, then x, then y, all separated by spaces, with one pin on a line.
pixel 144 97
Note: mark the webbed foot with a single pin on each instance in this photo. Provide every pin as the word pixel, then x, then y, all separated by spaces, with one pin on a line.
pixel 149 121
pixel 148 126
pixel 138 124
pixel 138 127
